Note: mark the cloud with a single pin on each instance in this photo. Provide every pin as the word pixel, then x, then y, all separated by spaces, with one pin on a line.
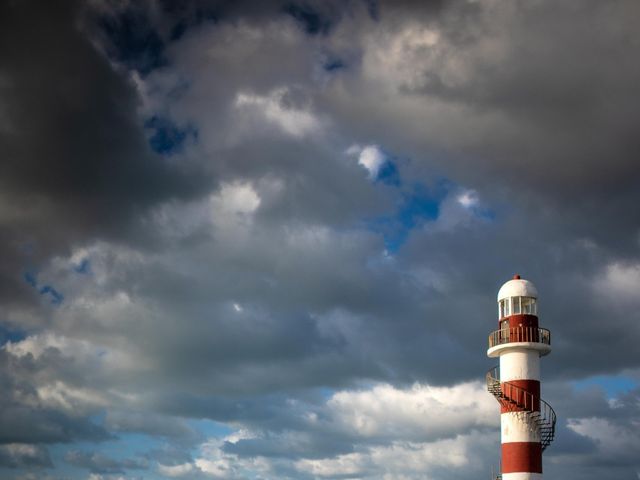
pixel 295 122
pixel 620 282
pixel 468 199
pixel 14 455
pixel 98 463
pixel 175 470
pixel 43 411
pixel 419 412
pixel 79 163
pixel 152 425
pixel 292 221
pixel 370 157
pixel 401 460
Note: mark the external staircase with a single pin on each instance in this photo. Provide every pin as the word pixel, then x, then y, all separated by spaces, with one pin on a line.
pixel 535 412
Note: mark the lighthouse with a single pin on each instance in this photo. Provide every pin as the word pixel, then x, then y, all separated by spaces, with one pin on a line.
pixel 527 422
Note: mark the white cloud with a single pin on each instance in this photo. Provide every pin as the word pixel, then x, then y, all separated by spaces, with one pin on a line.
pixel 216 463
pixel 235 198
pixel 74 400
pixel 296 122
pixel 401 57
pixel 419 412
pixel 620 282
pixel 371 157
pixel 402 460
pixel 352 464
pixel 228 210
pixel 396 433
pixel 37 345
pixel 55 387
pixel 241 434
pixel 612 439
pixel 231 211
pixel 97 476
pixel 175 470
pixel 219 468
pixel 468 198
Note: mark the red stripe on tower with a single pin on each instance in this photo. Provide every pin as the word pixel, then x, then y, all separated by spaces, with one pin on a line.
pixel 521 457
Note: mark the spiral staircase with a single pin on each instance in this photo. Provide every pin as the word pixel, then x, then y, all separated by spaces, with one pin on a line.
pixel 537 413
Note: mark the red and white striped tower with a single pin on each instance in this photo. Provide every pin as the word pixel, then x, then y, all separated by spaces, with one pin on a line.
pixel 527 422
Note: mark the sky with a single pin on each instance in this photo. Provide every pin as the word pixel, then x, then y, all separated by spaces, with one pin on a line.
pixel 263 240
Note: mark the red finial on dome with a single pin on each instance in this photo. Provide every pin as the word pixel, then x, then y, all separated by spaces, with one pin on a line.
pixel 516 277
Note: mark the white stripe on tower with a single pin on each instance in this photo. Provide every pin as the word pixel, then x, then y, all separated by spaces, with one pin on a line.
pixel 521 447
pixel 522 476
pixel 520 364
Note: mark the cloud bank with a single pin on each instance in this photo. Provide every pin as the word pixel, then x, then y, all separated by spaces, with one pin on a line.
pixel 263 241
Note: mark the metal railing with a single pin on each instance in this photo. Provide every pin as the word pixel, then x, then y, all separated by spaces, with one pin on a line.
pixel 520 334
pixel 539 413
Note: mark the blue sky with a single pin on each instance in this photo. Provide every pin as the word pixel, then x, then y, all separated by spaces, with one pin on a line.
pixel 262 240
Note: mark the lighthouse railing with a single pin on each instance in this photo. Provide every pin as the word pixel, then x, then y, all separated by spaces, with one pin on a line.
pixel 520 334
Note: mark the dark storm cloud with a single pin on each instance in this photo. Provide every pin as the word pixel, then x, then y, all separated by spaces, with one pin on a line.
pixel 132 39
pixel 71 132
pixel 473 256
pixel 21 424
pixel 76 163
pixel 556 87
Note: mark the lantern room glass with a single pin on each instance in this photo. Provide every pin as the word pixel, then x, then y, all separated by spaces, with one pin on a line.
pixel 528 305
pixel 517 305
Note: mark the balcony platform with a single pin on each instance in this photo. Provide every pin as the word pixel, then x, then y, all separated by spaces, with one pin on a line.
pixel 519 338
pixel 497 350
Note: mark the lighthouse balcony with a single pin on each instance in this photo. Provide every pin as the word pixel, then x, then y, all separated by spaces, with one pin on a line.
pixel 533 338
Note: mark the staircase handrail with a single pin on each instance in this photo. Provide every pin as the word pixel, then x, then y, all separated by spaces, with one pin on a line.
pixel 519 399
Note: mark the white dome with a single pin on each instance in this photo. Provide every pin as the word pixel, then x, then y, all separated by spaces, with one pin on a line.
pixel 517 287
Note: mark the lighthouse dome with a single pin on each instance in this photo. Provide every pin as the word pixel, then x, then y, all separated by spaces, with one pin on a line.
pixel 517 287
